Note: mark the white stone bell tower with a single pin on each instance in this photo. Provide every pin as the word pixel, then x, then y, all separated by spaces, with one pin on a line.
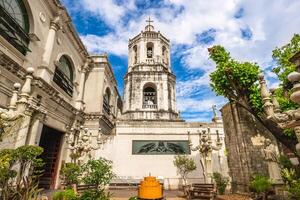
pixel 149 92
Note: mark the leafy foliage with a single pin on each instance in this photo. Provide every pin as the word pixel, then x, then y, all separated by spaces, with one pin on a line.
pixel 294 190
pixel 68 194
pixel 98 172
pixel 221 182
pixel 25 160
pixel 291 176
pixel 282 56
pixel 260 184
pixel 184 165
pixel 70 173
pixel 99 194
pixel 235 80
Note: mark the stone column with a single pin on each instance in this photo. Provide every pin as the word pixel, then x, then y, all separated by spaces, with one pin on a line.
pixel 54 27
pixel 22 108
pixel 44 70
pixel 79 101
pixel 35 132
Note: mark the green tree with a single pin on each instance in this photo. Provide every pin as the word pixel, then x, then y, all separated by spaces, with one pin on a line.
pixel 238 82
pixel 98 172
pixel 184 165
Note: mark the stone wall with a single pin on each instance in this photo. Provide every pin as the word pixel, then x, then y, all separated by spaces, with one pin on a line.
pixel 244 140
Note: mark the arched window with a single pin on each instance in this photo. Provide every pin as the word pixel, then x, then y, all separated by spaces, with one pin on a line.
pixel 63 75
pixel 106 101
pixel 149 50
pixel 135 54
pixel 149 96
pixel 14 24
pixel 164 54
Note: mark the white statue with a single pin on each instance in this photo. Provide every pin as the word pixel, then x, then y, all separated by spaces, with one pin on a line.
pixel 271 153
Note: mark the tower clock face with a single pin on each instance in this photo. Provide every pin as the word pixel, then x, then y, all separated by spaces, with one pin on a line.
pixel 16 10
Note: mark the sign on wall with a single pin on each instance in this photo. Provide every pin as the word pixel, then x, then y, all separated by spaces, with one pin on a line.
pixel 160 147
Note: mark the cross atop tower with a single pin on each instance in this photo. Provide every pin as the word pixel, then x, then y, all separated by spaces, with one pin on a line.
pixel 149 26
pixel 149 21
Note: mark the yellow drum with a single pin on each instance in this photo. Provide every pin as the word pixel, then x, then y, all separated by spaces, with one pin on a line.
pixel 150 188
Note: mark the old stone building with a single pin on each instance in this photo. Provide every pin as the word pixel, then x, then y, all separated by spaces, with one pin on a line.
pixel 62 86
pixel 69 104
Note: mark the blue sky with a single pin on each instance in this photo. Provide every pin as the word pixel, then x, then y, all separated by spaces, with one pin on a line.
pixel 249 29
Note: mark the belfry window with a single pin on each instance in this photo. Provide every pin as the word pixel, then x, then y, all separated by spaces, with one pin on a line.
pixel 149 50
pixel 63 75
pixel 14 24
pixel 149 97
pixel 106 100
pixel 164 55
pixel 135 54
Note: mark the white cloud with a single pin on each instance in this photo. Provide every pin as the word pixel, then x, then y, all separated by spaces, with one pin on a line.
pixel 272 23
pixel 97 44
pixel 196 105
pixel 191 86
pixel 108 10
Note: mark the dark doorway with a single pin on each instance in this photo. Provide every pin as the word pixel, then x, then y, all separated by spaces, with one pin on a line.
pixel 51 142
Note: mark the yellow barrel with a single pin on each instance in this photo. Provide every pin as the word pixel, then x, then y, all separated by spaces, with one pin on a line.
pixel 150 188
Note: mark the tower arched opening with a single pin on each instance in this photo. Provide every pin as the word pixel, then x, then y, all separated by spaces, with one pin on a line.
pixel 150 48
pixel 106 101
pixel 149 96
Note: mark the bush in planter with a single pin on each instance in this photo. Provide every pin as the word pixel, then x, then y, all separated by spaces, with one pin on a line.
pixel 221 182
pixel 260 184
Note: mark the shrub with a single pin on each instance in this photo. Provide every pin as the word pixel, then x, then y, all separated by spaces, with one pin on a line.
pixel 26 160
pixel 184 165
pixel 70 173
pixel 294 190
pixel 68 194
pixel 221 182
pixel 97 172
pixel 99 194
pixel 260 185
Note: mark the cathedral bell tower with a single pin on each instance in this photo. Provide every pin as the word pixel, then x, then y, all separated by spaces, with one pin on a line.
pixel 149 92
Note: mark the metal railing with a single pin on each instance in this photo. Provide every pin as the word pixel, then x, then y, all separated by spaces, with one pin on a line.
pixel 63 81
pixel 145 106
pixel 13 32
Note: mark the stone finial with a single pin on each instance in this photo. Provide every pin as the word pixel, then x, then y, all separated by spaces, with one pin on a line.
pixel 14 97
pixel 294 77
pixel 274 101
pixel 26 89
pixel 265 94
